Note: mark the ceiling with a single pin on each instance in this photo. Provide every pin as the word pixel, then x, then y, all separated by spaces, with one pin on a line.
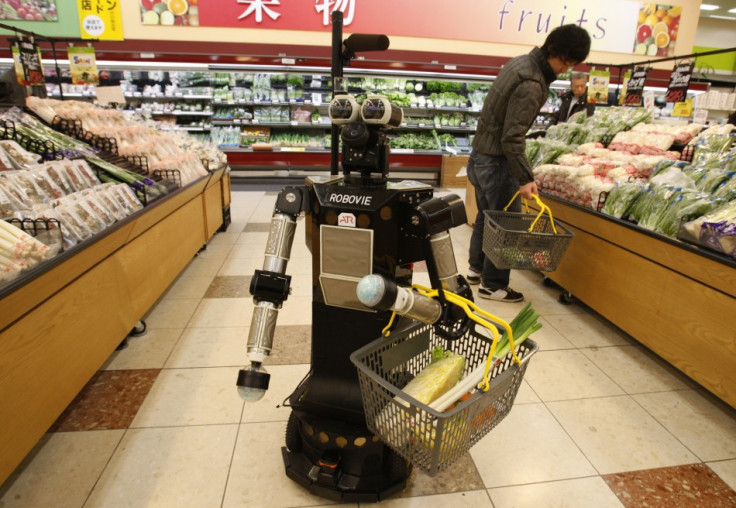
pixel 722 11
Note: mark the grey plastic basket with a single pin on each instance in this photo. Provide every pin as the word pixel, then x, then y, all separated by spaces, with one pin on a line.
pixel 508 243
pixel 431 440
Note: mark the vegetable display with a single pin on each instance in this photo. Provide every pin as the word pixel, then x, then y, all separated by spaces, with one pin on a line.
pixel 19 252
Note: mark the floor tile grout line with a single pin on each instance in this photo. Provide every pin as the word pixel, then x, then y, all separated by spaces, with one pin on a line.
pixel 232 456
pixel 107 464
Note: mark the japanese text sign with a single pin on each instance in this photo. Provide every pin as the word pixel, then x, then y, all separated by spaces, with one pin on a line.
pixel 100 19
pixel 522 22
pixel 635 86
pixel 679 81
pixel 28 68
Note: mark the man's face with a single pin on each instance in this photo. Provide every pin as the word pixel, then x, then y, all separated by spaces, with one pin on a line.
pixel 578 87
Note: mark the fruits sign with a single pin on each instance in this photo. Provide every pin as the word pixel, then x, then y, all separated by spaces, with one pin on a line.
pixel 170 12
pixel 656 32
pixel 29 10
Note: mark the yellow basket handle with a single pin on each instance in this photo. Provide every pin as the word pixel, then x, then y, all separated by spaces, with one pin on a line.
pixel 470 309
pixel 542 209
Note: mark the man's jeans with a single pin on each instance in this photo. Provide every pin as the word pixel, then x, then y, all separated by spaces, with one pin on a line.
pixel 494 187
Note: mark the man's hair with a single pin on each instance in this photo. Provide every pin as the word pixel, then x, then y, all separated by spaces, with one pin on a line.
pixel 568 42
pixel 578 75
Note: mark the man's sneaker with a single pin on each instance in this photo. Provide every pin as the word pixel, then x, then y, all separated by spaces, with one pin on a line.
pixel 473 278
pixel 500 295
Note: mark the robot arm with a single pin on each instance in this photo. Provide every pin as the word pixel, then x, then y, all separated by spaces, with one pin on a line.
pixel 437 216
pixel 270 287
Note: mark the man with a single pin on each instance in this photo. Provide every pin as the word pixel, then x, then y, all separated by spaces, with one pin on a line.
pixel 498 166
pixel 574 101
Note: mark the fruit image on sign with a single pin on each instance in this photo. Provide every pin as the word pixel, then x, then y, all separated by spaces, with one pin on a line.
pixel 170 12
pixel 656 32
pixel 29 10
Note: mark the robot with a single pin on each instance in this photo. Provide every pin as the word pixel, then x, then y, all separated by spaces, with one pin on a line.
pixel 357 224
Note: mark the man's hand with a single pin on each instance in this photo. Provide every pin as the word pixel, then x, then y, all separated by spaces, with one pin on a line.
pixel 528 189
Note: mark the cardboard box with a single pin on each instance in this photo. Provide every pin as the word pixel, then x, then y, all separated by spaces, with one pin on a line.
pixel 471 209
pixel 451 166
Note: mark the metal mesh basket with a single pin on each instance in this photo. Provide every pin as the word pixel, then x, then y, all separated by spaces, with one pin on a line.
pixel 508 243
pixel 432 440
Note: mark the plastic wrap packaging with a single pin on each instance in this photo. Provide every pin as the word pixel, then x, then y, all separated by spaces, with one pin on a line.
pixel 713 179
pixel 621 198
pixel 58 176
pixel 46 184
pixel 688 204
pixel 26 181
pixel 436 378
pixel 19 157
pixel 673 176
pixel 716 230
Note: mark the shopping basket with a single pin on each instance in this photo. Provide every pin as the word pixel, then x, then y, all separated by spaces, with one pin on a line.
pixel 524 241
pixel 432 440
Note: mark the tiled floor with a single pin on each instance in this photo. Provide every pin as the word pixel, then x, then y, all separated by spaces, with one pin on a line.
pixel 599 421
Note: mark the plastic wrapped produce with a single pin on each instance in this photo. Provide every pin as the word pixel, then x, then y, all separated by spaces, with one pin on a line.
pixel 716 230
pixel 436 378
pixel 713 179
pixel 658 199
pixel 687 204
pixel 621 198
pixel 674 177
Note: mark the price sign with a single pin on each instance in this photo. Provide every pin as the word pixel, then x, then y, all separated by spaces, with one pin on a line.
pixel 683 109
pixel 28 68
pixel 679 81
pixel 635 87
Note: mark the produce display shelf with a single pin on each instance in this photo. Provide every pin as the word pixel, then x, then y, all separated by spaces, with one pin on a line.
pixel 63 319
pixel 674 298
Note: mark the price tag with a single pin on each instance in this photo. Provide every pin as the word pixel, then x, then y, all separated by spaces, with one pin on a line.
pixel 402 150
pixel 240 101
pixel 307 101
pixel 683 109
pixel 255 120
pixel 294 123
pixel 236 120
pixel 293 149
pixel 422 125
pixel 178 94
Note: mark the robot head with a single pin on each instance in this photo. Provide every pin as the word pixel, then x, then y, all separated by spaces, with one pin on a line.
pixel 365 144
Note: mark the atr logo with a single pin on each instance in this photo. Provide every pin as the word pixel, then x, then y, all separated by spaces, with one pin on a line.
pixel 346 219
pixel 350 199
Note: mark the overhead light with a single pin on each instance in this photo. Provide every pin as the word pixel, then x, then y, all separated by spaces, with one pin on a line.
pixel 709 7
pixel 732 11
pixel 723 17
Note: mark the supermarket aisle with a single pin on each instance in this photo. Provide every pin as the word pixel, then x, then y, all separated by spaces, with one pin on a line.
pixel 599 421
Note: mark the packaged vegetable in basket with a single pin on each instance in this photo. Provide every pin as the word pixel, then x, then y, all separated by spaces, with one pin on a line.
pixel 438 377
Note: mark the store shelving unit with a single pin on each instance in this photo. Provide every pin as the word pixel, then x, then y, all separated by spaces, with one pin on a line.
pixel 675 298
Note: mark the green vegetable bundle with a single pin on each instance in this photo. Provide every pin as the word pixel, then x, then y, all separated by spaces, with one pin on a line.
pixel 621 198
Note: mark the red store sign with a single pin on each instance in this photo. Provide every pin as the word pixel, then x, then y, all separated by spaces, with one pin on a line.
pixel 498 21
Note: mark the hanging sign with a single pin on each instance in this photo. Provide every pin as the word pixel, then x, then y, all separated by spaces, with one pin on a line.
pixel 100 19
pixel 598 87
pixel 83 65
pixel 27 59
pixel 679 81
pixel 635 86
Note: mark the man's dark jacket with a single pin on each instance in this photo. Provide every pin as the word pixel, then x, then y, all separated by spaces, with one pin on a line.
pixel 510 108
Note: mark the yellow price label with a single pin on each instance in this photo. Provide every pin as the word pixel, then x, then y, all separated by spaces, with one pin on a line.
pixel 100 19
pixel 683 109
